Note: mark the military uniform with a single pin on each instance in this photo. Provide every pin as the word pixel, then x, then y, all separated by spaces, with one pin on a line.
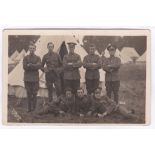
pixel 52 74
pixel 71 72
pixel 92 72
pixel 102 105
pixel 31 65
pixel 106 106
pixel 112 79
pixel 62 104
pixel 82 105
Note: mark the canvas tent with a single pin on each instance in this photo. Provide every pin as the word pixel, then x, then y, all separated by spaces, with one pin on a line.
pixel 14 55
pixel 127 53
pixel 142 58
pixel 41 45
pixel 20 56
pixel 11 65
pixel 10 61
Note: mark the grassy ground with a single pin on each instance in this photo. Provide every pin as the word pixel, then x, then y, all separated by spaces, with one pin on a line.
pixel 132 92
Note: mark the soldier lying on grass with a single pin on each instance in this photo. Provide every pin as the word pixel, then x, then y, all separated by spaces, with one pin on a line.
pixel 102 106
pixel 83 105
pixel 63 105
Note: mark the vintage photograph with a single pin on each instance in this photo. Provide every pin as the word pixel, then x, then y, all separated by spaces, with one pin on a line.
pixel 75 76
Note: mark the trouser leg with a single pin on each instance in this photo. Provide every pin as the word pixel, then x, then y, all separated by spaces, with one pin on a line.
pixel 116 85
pixel 34 101
pixel 57 84
pixel 89 86
pixel 50 91
pixel 108 88
pixel 29 101
pixel 35 88
pixel 28 86
pixel 49 84
pixel 68 84
pixel 75 85
pixel 95 84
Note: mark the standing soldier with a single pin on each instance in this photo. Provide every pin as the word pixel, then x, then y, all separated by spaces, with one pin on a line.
pixel 31 65
pixel 52 70
pixel 72 63
pixel 92 63
pixel 111 67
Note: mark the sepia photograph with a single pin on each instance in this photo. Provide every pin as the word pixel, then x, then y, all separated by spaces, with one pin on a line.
pixel 76 76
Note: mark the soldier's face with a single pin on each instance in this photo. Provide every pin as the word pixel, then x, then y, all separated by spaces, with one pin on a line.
pixel 50 47
pixel 97 95
pixel 112 52
pixel 68 94
pixel 71 48
pixel 80 93
pixel 32 49
pixel 91 50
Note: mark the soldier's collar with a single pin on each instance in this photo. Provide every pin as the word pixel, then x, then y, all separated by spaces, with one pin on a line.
pixel 71 53
pixel 50 53
pixel 32 55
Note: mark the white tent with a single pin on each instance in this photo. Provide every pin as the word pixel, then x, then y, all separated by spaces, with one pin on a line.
pixel 14 55
pixel 142 58
pixel 10 61
pixel 127 53
pixel 20 56
pixel 41 45
pixel 11 65
pixel 79 39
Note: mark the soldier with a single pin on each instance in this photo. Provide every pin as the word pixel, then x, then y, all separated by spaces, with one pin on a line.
pixel 63 104
pixel 82 102
pixel 102 106
pixel 72 63
pixel 52 71
pixel 31 65
pixel 111 67
pixel 92 63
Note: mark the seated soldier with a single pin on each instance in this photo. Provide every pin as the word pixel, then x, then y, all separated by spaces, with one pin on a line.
pixel 82 103
pixel 102 106
pixel 63 104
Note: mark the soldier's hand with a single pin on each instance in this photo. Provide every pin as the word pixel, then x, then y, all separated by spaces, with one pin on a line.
pixel 70 63
pixel 100 115
pixel 81 115
pixel 45 69
pixel 94 64
pixel 111 70
pixel 104 114
pixel 29 64
pixel 61 112
pixel 89 113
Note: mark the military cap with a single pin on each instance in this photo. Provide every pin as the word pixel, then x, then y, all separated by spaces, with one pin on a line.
pixel 92 45
pixel 111 47
pixel 71 43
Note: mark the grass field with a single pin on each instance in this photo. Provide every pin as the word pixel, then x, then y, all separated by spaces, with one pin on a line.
pixel 132 93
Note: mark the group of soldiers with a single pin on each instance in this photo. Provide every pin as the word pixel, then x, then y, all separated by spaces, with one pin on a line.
pixel 65 76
